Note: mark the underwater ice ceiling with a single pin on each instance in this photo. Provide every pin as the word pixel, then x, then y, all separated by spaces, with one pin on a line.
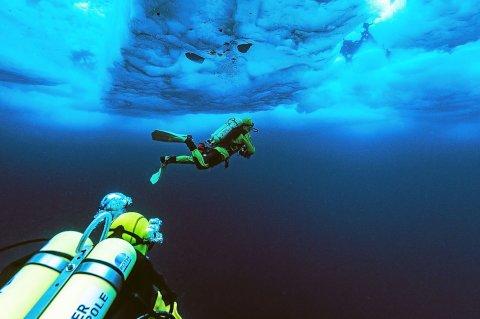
pixel 400 58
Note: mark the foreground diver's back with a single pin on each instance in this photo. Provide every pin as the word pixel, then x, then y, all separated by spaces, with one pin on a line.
pixel 145 288
pixel 70 277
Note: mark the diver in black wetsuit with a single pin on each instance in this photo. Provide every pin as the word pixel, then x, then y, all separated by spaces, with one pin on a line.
pixel 145 291
pixel 238 140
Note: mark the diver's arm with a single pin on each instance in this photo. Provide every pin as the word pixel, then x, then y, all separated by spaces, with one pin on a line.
pixel 248 145
pixel 159 281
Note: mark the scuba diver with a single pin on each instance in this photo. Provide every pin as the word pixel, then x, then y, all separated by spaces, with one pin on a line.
pixel 145 293
pixel 71 277
pixel 233 137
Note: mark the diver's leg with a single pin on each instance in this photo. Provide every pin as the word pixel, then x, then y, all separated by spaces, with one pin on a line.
pixel 214 157
pixel 198 159
pixel 184 159
pixel 190 144
pixel 172 159
pixel 181 159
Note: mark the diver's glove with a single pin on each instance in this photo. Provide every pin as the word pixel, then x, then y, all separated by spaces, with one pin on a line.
pixel 243 152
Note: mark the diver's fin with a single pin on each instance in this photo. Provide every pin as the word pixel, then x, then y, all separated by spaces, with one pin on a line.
pixel 156 177
pixel 166 136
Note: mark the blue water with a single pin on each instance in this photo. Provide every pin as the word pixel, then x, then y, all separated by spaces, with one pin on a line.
pixel 315 225
pixel 362 199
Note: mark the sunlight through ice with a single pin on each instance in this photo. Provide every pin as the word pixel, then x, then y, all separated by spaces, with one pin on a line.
pixel 86 7
pixel 387 8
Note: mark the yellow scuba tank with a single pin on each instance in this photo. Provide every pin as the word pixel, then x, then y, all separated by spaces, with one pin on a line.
pixel 23 291
pixel 89 283
pixel 95 283
pixel 70 277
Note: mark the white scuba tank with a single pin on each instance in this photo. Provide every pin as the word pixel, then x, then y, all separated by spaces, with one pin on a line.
pixel 95 283
pixel 223 131
pixel 28 285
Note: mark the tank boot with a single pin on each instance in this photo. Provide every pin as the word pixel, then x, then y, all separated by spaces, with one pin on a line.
pixel 165 160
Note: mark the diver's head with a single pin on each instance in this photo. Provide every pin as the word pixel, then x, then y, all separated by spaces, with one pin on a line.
pixel 137 230
pixel 247 125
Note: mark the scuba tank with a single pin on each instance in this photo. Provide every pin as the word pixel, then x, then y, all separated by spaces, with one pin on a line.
pixel 70 277
pixel 223 131
pixel 23 291
pixel 95 283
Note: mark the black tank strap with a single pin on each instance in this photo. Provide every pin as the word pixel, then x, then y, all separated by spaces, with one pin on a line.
pixel 57 253
pixel 233 134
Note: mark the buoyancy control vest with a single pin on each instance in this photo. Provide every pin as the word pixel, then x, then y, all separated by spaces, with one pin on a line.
pixel 69 278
